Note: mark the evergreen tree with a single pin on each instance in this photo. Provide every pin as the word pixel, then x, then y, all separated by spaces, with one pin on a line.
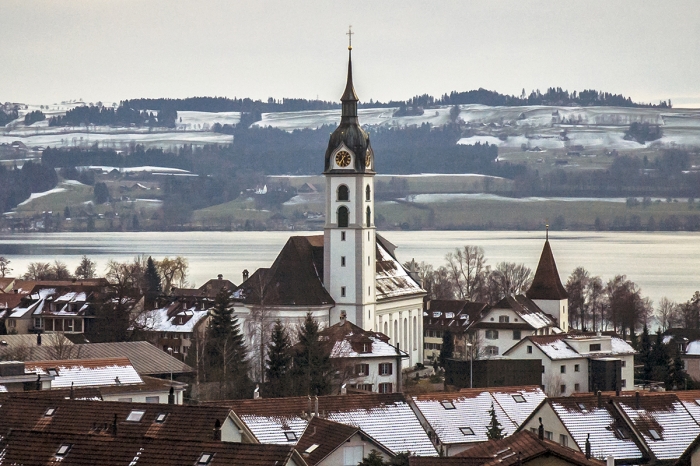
pixel 86 269
pixel 227 354
pixel 279 361
pixel 66 212
pixel 152 283
pixel 645 356
pixel 448 347
pixel 101 193
pixel 312 365
pixel 676 375
pixel 495 430
pixel 659 359
pixel 373 459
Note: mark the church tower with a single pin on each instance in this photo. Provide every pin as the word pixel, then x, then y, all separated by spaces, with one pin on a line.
pixel 547 290
pixel 349 243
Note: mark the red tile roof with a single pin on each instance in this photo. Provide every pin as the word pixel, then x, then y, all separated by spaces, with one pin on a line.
pixel 547 284
pixel 328 436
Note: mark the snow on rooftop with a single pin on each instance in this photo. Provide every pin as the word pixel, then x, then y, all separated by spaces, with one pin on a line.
pixel 158 320
pixel 558 349
pixel 536 319
pixel 88 372
pixel 514 406
pixel 692 348
pixel 343 349
pixel 620 346
pixel 596 422
pixel 392 279
pixel 271 429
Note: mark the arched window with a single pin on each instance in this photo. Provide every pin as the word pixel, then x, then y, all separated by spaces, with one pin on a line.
pixel 396 331
pixel 367 193
pixel 343 193
pixel 415 334
pixel 386 328
pixel 369 217
pixel 405 334
pixel 343 215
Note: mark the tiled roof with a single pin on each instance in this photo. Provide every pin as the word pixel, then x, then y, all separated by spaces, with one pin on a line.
pixel 146 358
pixel 455 315
pixel 388 418
pixel 522 447
pixel 40 448
pixel 392 279
pixel 557 347
pixel 547 284
pixel 87 394
pixel 96 417
pixel 345 337
pixel 527 310
pixel 88 372
pixel 666 415
pixel 295 278
pixel 328 436
pixel 463 417
pixel 582 415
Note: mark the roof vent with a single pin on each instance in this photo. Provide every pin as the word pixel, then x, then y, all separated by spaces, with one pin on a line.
pixel 588 446
pixel 256 392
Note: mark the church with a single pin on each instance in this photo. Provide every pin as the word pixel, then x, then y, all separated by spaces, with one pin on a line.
pixel 349 272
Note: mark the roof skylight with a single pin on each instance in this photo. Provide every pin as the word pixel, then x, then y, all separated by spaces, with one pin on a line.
pixel 447 405
pixel 654 434
pixel 311 448
pixel 49 412
pixel 436 314
pixel 205 459
pixel 449 315
pixel 519 399
pixel 63 450
pixel 291 436
pixel 135 415
pixel 160 418
pixel 52 372
pixel 466 430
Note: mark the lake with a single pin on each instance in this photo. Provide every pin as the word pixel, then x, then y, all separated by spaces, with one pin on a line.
pixel 662 264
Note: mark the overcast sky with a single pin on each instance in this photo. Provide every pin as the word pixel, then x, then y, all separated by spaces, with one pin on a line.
pixel 109 50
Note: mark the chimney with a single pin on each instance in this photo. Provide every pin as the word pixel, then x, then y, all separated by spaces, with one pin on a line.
pixel 610 460
pixel 38 339
pixel 310 408
pixel 540 430
pixel 600 399
pixel 588 446
pixel 38 381
pixel 171 396
pixel 114 426
pixel 256 392
pixel 72 392
pixel 245 274
pixel 316 406
pixel 220 277
pixel 344 389
pixel 217 431
pixel 343 317
pixel 636 400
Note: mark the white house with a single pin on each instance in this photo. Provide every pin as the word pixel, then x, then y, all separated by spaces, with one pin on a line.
pixel 579 363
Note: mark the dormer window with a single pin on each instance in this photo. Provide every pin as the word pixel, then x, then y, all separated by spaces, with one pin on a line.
pixel 594 347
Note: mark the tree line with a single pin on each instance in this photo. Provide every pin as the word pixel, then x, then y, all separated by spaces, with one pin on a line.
pixel 16 184
pixel 121 116
pixel 7 116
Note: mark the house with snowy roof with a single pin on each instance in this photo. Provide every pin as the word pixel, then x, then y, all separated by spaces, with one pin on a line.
pixel 456 421
pixel 350 268
pixel 454 315
pixel 387 418
pixel 579 363
pixel 639 428
pixel 172 327
pixel 363 360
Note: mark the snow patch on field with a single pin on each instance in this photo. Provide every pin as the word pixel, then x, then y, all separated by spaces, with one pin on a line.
pixel 149 169
pixel 38 195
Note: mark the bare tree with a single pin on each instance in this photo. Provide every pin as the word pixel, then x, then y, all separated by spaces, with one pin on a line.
pixel 258 324
pixel 436 283
pixel 576 288
pixel 173 272
pixel 467 269
pixel 60 347
pixel 38 271
pixel 596 301
pixel 4 266
pixel 508 279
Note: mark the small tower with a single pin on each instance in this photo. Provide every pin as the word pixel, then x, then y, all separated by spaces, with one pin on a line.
pixel 547 290
pixel 349 251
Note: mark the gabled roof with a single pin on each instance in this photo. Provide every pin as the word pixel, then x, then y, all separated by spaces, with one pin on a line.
pixel 346 341
pixel 462 417
pixel 452 314
pixel 558 347
pixel 547 284
pixel 96 418
pixel 322 437
pixel 40 448
pixel 527 310
pixel 87 372
pixel 269 419
pixel 295 278
pixel 522 447
pixel 213 286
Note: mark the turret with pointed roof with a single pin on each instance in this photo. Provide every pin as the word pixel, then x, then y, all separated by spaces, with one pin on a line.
pixel 547 290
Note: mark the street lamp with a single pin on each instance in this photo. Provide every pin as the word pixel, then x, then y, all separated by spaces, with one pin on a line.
pixel 471 384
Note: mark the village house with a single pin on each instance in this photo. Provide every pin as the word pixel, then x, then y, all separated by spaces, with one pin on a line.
pixel 579 363
pixel 364 360
pixel 449 314
pixel 456 421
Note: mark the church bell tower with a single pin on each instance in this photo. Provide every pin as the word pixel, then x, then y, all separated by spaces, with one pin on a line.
pixel 349 234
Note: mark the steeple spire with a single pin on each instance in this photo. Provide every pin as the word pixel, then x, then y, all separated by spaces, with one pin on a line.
pixel 349 98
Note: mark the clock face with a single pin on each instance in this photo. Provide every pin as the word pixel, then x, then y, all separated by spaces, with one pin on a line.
pixel 368 159
pixel 342 158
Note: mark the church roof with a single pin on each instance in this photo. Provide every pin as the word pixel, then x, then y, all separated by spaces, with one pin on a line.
pixel 295 278
pixel 547 284
pixel 392 278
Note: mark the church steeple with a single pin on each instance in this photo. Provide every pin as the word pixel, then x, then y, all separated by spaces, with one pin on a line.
pixel 349 98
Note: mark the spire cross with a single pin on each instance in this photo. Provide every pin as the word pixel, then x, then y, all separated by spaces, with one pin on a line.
pixel 349 34
pixel 546 232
